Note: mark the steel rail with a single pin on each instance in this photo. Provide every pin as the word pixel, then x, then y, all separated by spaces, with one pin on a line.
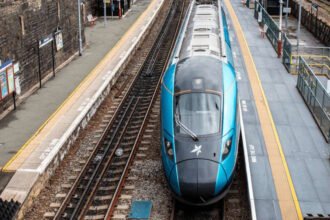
pixel 75 185
pixel 107 164
pixel 137 141
pixel 103 136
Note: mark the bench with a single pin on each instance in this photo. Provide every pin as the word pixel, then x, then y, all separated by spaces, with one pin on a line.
pixel 91 20
pixel 263 30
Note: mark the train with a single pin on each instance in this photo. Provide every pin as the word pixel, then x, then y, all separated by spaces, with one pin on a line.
pixel 199 119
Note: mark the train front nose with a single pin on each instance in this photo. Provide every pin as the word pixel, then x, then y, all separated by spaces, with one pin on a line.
pixel 197 179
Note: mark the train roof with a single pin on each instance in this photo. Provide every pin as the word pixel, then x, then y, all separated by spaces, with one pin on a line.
pixel 198 74
pixel 202 36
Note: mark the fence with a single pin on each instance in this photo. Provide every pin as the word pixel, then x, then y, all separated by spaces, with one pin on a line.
pixel 272 30
pixel 249 3
pixel 319 28
pixel 287 54
pixel 315 96
pixel 318 58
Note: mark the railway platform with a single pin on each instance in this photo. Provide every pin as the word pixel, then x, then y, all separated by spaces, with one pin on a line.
pixel 35 138
pixel 287 155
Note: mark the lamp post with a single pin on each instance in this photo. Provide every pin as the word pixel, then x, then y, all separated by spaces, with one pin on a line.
pixel 79 27
pixel 105 12
pixel 286 15
pixel 298 32
pixel 279 42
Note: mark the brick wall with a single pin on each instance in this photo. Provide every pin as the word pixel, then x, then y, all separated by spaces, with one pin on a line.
pixel 40 18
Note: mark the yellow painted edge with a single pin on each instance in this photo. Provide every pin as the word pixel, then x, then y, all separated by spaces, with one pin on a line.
pixel 101 63
pixel 293 192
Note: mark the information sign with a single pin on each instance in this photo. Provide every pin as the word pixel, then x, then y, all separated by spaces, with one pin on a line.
pixel 287 10
pixel 11 79
pixel 3 83
pixel 59 40
pixel 43 42
pixel 16 67
pixel 17 85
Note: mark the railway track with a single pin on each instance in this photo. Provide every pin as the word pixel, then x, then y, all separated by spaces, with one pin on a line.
pixel 95 192
pixel 235 206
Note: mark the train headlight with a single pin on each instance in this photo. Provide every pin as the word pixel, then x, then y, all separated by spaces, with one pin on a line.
pixel 226 148
pixel 169 149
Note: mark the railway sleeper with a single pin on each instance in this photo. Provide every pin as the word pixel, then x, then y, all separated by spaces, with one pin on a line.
pixel 135 131
pixel 113 179
pixel 116 171
pixel 66 185
pixel 93 217
pixel 118 217
pixel 107 188
pixel 122 207
pixel 49 215
pixel 98 207
pixel 143 148
pixel 119 163
pixel 103 198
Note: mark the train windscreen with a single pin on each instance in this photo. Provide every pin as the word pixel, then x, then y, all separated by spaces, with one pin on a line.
pixel 199 112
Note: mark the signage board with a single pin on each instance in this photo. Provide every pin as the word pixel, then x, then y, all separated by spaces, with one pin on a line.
pixel 287 10
pixel 59 40
pixel 43 42
pixel 16 67
pixel 315 6
pixel 17 85
pixel 3 83
pixel 10 79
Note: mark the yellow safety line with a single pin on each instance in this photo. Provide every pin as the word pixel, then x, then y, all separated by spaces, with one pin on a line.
pixel 289 205
pixel 93 74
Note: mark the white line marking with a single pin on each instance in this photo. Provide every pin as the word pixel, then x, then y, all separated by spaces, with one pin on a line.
pixel 247 168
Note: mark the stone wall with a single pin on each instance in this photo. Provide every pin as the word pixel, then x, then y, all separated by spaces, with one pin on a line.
pixel 23 22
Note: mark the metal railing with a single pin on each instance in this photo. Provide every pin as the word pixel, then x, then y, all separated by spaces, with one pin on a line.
pixel 315 96
pixel 272 30
pixel 287 53
pixel 318 58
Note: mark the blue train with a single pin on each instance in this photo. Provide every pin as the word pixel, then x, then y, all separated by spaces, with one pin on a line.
pixel 199 109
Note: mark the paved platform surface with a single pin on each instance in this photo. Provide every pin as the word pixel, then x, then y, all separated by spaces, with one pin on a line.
pixel 68 101
pixel 17 127
pixel 304 148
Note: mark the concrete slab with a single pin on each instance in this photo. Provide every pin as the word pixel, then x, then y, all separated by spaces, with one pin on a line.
pixel 305 149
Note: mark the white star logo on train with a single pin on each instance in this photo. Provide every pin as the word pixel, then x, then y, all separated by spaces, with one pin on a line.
pixel 197 150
